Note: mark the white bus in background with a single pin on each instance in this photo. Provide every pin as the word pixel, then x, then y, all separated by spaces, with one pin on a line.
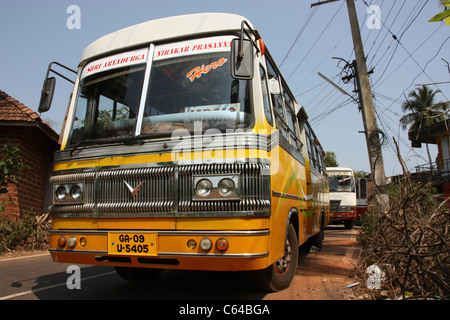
pixel 343 203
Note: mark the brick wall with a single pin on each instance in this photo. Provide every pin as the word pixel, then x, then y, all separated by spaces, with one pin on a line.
pixel 37 152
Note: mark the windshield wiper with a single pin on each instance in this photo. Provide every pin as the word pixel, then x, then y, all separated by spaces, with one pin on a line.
pixel 125 140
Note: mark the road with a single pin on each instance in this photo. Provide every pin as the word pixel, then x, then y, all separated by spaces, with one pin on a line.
pixel 320 276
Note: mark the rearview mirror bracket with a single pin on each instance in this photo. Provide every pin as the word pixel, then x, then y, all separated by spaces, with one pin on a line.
pixel 48 87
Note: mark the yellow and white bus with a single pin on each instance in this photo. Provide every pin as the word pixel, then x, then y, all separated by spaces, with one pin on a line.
pixel 183 148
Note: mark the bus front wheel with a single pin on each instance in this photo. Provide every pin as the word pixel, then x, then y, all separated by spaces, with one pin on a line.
pixel 281 273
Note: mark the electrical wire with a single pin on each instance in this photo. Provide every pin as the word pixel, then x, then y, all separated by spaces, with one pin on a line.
pixel 317 39
pixel 302 29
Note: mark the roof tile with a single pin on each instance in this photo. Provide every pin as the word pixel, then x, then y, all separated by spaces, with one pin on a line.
pixel 13 110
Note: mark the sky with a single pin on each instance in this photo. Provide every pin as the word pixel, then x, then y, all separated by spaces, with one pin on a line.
pixel 303 40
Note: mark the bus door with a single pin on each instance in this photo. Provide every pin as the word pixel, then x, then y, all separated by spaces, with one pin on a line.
pixel 361 197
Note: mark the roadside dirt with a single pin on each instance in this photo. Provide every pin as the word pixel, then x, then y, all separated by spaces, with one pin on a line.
pixel 325 275
pixel 18 254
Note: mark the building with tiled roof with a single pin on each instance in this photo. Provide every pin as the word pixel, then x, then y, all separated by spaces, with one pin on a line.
pixel 22 127
pixel 13 112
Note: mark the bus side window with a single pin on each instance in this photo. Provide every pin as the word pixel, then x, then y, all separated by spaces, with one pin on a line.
pixel 311 147
pixel 279 114
pixel 265 93
pixel 301 121
pixel 293 127
pixel 278 103
pixel 319 159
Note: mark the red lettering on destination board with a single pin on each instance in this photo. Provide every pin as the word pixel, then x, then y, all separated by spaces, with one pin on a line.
pixel 212 45
pixel 169 52
pixel 195 46
pixel 120 61
pixel 116 61
pixel 198 71
pixel 93 68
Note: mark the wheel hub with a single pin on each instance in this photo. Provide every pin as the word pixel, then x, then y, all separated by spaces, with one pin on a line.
pixel 282 265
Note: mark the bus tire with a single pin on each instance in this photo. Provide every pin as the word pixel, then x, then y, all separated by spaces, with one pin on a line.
pixel 348 224
pixel 281 273
pixel 136 275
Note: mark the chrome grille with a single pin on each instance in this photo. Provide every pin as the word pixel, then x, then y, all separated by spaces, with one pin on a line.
pixel 155 194
pixel 165 190
pixel 334 205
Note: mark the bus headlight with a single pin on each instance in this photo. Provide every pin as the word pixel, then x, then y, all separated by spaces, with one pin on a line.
pixel 203 187
pixel 226 187
pixel 61 193
pixel 76 192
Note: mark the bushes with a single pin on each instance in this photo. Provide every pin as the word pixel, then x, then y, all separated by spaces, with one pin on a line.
pixel 28 232
pixel 410 243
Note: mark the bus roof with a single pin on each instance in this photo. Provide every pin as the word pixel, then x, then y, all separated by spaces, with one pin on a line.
pixel 163 29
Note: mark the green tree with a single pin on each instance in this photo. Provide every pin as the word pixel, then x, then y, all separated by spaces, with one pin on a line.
pixel 423 111
pixel 11 167
pixel 330 159
pixel 360 173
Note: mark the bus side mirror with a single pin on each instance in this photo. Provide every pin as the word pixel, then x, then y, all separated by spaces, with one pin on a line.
pixel 242 59
pixel 47 94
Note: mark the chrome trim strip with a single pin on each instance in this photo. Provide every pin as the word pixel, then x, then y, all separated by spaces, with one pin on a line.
pixel 229 141
pixel 263 232
pixel 73 177
pixel 66 212
pixel 175 254
pixel 76 232
pixel 214 255
pixel 77 251
pixel 286 195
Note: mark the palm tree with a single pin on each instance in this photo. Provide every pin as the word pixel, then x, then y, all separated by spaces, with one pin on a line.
pixel 423 111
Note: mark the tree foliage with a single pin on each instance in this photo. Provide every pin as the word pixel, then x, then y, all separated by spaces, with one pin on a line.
pixel 11 168
pixel 423 111
pixel 330 159
pixel 445 15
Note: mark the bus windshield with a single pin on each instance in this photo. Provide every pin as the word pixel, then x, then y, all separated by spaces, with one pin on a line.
pixel 189 88
pixel 195 93
pixel 341 182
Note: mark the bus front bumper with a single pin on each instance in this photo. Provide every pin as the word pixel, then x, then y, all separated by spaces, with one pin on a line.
pixel 339 216
pixel 168 249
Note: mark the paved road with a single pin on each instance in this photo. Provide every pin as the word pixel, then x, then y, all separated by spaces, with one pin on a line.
pixel 322 275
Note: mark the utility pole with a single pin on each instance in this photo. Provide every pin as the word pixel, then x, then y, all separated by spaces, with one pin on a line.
pixel 368 113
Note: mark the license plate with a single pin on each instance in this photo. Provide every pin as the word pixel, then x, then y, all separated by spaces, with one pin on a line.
pixel 133 243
